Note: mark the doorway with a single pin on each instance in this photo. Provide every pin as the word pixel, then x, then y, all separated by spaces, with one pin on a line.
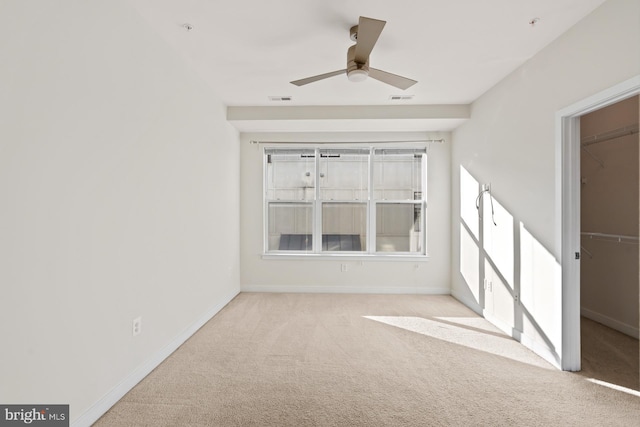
pixel 609 222
pixel 568 185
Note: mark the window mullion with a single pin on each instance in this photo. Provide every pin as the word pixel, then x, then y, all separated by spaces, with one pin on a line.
pixel 424 203
pixel 317 207
pixel 265 203
pixel 371 213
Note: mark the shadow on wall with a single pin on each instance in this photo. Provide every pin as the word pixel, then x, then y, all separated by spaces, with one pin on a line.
pixel 513 278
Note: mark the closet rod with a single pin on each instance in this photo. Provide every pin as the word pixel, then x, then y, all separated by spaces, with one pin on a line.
pixel 608 136
pixel 620 238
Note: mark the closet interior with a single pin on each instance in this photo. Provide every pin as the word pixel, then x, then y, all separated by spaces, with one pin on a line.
pixel 610 218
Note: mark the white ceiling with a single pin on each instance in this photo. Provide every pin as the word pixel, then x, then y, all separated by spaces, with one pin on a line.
pixel 248 50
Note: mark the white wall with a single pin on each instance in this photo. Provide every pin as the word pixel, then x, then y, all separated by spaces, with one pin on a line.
pixel 119 197
pixel 510 142
pixel 259 274
pixel 609 204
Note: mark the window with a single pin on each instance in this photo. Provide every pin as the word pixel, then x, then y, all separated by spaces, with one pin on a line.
pixel 348 201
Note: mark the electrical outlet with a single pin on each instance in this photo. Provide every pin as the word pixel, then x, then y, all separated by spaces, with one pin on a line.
pixel 343 267
pixel 136 327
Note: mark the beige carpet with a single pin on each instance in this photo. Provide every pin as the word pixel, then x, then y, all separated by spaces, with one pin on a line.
pixel 609 355
pixel 361 360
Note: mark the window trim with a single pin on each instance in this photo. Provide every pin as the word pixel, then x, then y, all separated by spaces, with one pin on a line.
pixel 369 252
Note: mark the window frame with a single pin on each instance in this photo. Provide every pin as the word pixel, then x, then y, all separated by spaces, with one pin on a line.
pixel 369 250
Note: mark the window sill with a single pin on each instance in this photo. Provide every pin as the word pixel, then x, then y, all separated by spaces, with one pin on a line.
pixel 347 257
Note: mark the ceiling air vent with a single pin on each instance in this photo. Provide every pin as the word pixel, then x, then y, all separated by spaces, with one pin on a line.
pixel 280 98
pixel 400 97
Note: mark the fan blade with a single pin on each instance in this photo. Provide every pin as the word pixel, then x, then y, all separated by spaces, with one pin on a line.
pixel 391 79
pixel 308 80
pixel 368 32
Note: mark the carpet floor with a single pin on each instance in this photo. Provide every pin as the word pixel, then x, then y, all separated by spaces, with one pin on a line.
pixel 362 360
pixel 609 355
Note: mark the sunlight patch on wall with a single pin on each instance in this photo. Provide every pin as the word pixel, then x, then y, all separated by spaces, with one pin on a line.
pixel 499 296
pixel 469 189
pixel 498 238
pixel 469 262
pixel 540 290
pixel 470 233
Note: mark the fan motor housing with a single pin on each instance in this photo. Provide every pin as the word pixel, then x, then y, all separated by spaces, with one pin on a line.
pixel 356 72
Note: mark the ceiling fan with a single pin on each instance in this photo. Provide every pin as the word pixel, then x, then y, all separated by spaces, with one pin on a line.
pixel 365 34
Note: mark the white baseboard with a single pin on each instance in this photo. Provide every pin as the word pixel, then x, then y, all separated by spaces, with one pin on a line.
pixel 538 348
pixel 99 408
pixel 346 289
pixel 470 303
pixel 626 329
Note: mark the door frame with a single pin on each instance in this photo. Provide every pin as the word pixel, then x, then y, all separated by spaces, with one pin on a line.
pixel 568 208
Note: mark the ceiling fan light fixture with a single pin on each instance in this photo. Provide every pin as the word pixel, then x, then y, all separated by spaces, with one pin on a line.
pixel 358 75
pixel 365 34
